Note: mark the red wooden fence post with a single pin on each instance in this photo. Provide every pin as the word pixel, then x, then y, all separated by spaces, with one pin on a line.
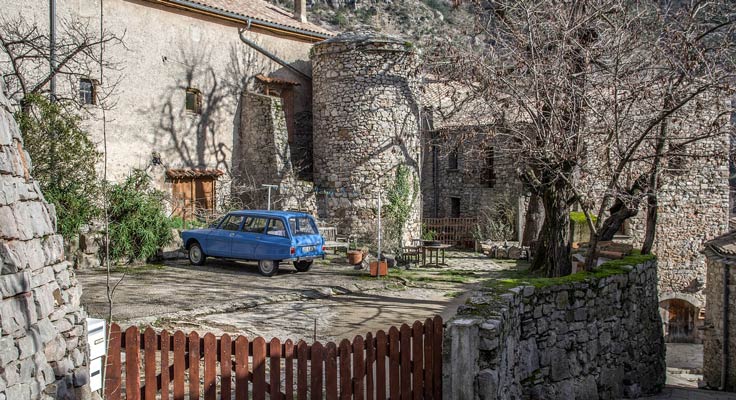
pixel 370 356
pixel 417 351
pixel 180 343
pixel 259 369
pixel 317 354
pixel 194 356
pixel 210 367
pixel 132 363
pixel 301 370
pixel 275 386
pixel 289 369
pixel 346 381
pixel 226 367
pixel 405 349
pixel 428 359
pixel 241 368
pixel 331 371
pixel 393 364
pixel 113 368
pixel 150 343
pixel 437 351
pixel 165 346
pixel 381 347
pixel 358 368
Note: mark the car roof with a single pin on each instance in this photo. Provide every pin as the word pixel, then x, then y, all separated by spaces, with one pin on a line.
pixel 274 213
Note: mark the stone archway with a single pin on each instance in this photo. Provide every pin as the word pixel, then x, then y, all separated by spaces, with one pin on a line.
pixel 680 318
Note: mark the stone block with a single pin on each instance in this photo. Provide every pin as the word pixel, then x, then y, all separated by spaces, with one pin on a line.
pixel 8 351
pixel 13 284
pixel 488 384
pixel 29 345
pixel 18 314
pixel 42 276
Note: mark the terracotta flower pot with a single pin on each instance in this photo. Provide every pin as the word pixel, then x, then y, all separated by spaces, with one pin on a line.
pixel 379 269
pixel 355 257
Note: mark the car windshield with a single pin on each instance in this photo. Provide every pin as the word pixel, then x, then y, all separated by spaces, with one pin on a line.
pixel 302 226
pixel 216 222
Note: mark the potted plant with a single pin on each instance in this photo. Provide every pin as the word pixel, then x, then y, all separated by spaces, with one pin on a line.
pixel 379 268
pixel 428 238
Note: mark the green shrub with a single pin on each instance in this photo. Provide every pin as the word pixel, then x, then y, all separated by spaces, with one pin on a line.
pixel 139 225
pixel 399 207
pixel 63 161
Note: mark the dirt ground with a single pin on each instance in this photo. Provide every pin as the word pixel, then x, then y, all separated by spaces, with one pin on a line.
pixel 231 297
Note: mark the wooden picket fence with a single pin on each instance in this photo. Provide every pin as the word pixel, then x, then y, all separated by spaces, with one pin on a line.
pixel 405 363
pixel 454 231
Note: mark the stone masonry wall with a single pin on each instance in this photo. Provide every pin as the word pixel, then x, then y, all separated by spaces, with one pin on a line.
pixel 267 158
pixel 366 124
pixel 596 339
pixel 713 343
pixel 43 351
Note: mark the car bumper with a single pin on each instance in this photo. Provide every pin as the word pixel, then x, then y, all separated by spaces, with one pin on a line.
pixel 306 258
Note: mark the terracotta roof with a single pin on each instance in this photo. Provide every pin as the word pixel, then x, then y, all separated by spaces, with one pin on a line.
pixel 276 81
pixel 189 173
pixel 257 10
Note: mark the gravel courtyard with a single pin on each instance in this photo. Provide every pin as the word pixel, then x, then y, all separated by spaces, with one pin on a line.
pixel 231 297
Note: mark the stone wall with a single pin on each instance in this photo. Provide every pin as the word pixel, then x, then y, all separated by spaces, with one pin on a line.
pixel 596 339
pixel 267 158
pixel 43 352
pixel 714 322
pixel 366 123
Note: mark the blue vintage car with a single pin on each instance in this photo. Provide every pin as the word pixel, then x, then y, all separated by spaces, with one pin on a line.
pixel 269 237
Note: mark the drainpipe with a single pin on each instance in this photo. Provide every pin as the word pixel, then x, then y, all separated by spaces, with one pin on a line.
pixel 270 55
pixel 724 350
pixel 52 49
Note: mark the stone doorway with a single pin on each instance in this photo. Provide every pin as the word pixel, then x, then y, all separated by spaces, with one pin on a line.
pixel 680 320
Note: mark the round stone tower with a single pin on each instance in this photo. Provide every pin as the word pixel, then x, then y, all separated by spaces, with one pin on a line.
pixel 366 131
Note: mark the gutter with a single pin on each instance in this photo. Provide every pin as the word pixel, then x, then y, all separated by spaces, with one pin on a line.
pixel 238 18
pixel 270 55
pixel 725 343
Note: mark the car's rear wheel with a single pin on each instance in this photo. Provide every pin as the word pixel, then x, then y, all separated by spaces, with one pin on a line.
pixel 268 267
pixel 196 255
pixel 303 266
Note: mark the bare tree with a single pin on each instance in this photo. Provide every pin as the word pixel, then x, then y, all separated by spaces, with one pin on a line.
pixel 586 92
pixel 24 55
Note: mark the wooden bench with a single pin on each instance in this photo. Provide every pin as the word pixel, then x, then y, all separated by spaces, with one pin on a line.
pixel 332 241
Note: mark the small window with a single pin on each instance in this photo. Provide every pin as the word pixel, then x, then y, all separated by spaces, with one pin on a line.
pixel 276 228
pixel 255 225
pixel 232 223
pixel 452 159
pixel 87 91
pixel 489 172
pixel 302 226
pixel 194 101
pixel 454 207
pixel 677 163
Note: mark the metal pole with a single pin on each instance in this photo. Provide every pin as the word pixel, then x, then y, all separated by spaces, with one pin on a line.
pixel 52 49
pixel 269 193
pixel 379 231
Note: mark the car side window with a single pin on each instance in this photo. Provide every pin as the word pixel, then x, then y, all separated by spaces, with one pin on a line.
pixel 254 225
pixel 276 228
pixel 232 223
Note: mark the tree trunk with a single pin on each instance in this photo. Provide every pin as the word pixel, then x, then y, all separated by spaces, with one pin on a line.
pixel 651 228
pixel 533 221
pixel 553 248
pixel 652 201
pixel 623 210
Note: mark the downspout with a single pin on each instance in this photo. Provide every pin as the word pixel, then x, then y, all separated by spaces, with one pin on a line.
pixel 270 55
pixel 724 343
pixel 52 49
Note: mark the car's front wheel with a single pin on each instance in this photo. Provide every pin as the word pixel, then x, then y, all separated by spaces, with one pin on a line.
pixel 196 255
pixel 268 267
pixel 303 266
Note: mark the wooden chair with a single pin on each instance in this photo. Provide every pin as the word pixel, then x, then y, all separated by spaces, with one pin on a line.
pixel 332 240
pixel 412 253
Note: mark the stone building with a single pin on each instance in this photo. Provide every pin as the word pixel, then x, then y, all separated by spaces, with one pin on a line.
pixel 182 70
pixel 719 345
pixel 43 346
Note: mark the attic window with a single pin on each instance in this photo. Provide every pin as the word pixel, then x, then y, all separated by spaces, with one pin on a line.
pixel 194 101
pixel 87 91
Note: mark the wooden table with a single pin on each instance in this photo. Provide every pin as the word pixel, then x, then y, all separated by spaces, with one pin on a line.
pixel 436 249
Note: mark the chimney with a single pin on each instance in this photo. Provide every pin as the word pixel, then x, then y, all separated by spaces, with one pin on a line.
pixel 300 10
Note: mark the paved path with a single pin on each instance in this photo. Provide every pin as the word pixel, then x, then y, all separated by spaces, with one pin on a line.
pixel 676 393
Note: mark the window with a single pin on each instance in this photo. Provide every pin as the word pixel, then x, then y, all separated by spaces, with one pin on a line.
pixel 255 225
pixel 194 101
pixel 302 226
pixel 452 159
pixel 677 163
pixel 276 228
pixel 87 91
pixel 489 172
pixel 454 207
pixel 232 223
